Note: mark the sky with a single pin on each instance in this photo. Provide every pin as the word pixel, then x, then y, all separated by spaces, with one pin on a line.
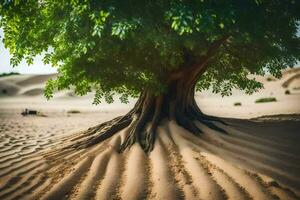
pixel 38 67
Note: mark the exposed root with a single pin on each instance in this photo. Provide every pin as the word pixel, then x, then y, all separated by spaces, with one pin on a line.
pixel 109 132
pixel 101 132
pixel 205 119
pixel 129 141
pixel 139 132
pixel 151 132
pixel 142 121
pixel 141 129
pixel 150 139
pixel 197 113
pixel 188 124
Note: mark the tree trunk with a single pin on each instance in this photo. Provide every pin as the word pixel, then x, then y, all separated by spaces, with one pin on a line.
pixel 176 103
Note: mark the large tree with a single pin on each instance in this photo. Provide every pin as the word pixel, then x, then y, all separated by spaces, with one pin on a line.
pixel 161 51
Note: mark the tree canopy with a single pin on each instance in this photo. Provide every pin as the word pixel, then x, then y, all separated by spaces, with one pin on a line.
pixel 127 46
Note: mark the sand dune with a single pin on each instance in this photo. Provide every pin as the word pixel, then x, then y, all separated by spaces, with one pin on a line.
pixel 20 90
pixel 258 158
pixel 292 81
pixel 238 165
pixel 35 79
pixel 29 85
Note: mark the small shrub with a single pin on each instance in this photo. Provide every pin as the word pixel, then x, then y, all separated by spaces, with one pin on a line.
pixel 237 104
pixel 266 100
pixel 270 79
pixel 73 111
pixel 287 92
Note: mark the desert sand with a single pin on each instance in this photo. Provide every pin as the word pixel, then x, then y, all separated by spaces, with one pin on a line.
pixel 259 158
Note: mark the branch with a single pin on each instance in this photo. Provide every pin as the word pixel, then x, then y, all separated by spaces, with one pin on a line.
pixel 216 44
pixel 200 65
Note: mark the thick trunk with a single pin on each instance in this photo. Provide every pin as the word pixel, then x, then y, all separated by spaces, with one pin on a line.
pixel 176 103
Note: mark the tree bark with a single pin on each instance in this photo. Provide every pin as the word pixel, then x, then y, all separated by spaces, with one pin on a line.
pixel 176 103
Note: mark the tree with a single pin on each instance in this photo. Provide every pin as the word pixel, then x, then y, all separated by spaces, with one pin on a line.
pixel 161 51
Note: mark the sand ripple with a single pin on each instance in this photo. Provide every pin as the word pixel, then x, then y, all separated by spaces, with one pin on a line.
pixel 181 166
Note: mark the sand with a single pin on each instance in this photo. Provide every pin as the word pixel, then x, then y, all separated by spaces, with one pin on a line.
pixel 241 165
pixel 259 158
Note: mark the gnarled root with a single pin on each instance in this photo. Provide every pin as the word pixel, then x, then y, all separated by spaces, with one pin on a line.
pixel 151 114
pixel 142 121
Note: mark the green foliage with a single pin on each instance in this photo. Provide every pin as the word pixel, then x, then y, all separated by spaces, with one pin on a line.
pixel 266 100
pixel 127 46
pixel 99 20
pixel 122 28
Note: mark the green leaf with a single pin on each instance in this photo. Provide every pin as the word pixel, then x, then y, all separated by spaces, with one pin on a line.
pixel 221 25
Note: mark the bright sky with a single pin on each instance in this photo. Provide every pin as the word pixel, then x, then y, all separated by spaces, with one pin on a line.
pixel 38 67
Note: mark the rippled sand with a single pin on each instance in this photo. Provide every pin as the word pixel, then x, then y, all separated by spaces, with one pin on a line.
pixel 256 160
